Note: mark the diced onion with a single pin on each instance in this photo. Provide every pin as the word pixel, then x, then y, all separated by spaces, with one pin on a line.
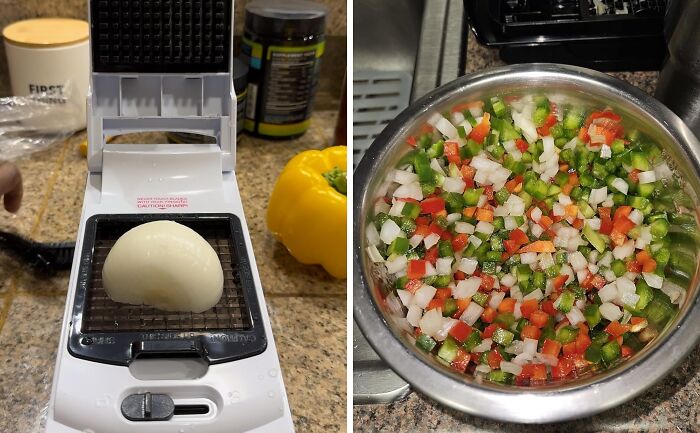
pixel 443 266
pixel 468 265
pixel 453 217
pixel 390 231
pixel 546 359
pixel 630 299
pixel 608 292
pixel 530 346
pixel 431 240
pixel 605 152
pixel 431 322
pixel 475 241
pixel 647 177
pixel 435 165
pixel 496 298
pixel 620 185
pixel 463 227
pixel 484 227
pixel 636 216
pixel 466 288
pixel 575 316
pixel 623 251
pixel 610 311
pixel 452 184
pixel 662 171
pixel 404 177
pixel 472 314
pixel 405 296
pixel 598 196
pixel 374 254
pixel 397 208
pixel 430 270
pixel 447 324
pixel 423 295
pixel 528 258
pixel 446 128
pixel 415 240
pixel 515 347
pixel 509 280
pixel 410 190
pixel 522 359
pixel 414 315
pixel 511 367
pixel 398 264
pixel 653 280
pixel 578 261
pixel 372 234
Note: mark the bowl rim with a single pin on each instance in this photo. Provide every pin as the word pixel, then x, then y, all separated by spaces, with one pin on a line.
pixel 604 390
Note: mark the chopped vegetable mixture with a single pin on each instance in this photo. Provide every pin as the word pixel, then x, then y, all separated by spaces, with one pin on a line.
pixel 526 240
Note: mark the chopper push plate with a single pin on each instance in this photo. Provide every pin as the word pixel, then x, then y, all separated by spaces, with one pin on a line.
pixel 106 331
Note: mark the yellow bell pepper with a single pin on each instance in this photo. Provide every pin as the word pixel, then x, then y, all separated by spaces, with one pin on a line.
pixel 307 214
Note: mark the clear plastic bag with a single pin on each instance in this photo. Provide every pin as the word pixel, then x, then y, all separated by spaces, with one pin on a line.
pixel 32 123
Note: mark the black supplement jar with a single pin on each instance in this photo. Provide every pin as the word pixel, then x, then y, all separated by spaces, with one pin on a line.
pixel 283 42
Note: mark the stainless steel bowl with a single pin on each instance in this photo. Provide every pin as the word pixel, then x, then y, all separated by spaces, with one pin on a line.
pixel 557 401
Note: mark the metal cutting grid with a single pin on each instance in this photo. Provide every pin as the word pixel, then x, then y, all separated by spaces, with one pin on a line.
pixel 104 315
pixel 378 97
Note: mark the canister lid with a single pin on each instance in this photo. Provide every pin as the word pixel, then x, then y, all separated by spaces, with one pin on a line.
pixel 285 19
pixel 46 32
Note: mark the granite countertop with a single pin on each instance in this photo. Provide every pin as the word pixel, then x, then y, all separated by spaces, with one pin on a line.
pixel 307 307
pixel 673 405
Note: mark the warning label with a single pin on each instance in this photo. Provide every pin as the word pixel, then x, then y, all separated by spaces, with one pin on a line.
pixel 161 202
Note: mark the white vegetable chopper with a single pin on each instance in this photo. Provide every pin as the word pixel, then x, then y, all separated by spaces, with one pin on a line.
pixel 164 65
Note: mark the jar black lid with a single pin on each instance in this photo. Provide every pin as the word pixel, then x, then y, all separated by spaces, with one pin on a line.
pixel 286 19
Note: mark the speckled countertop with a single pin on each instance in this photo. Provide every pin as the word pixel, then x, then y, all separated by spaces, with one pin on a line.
pixel 673 405
pixel 306 306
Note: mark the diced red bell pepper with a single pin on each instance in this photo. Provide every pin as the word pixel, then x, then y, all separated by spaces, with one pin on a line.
pixel 548 307
pixel 649 266
pixel 422 230
pixel 622 211
pixel 432 255
pixel 423 220
pixel 452 152
pixel 623 225
pixel 510 246
pixel 634 175
pixel 548 123
pixel 528 307
pixel 515 185
pixel 545 222
pixel 626 351
pixel 606 225
pixel 489 315
pixel 519 236
pixel 487 282
pixel 536 372
pixel 480 131
pixel 494 359
pixel 598 281
pixel 559 281
pixel 468 173
pixel 411 141
pixel 462 305
pixel 459 242
pixel 488 192
pixel 461 361
pixel 617 238
pixel 551 347
pixel 539 318
pixel 634 266
pixel 569 348
pixel 459 276
pixel 507 305
pixel 414 284
pixel 443 293
pixel 432 205
pixel 521 145
pixel 435 303
pixel 416 269
pixel 563 368
pixel 490 329
pixel 530 331
pixel 582 342
pixel 616 329
pixel 460 331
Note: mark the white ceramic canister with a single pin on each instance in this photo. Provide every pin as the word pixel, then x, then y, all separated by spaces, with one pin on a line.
pixel 46 54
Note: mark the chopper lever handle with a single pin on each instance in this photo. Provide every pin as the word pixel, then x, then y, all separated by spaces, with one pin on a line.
pixel 167 349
